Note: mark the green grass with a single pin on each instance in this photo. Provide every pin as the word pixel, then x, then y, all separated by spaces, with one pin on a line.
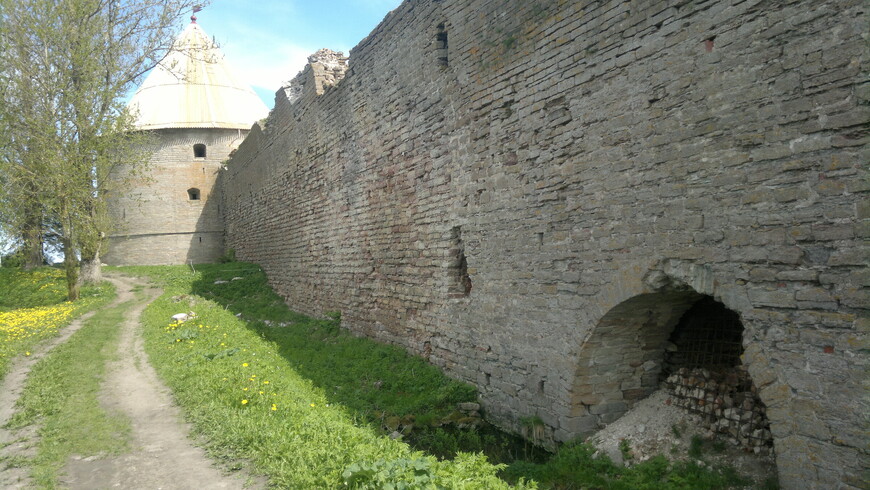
pixel 575 466
pixel 44 286
pixel 61 396
pixel 33 307
pixel 334 394
pixel 256 397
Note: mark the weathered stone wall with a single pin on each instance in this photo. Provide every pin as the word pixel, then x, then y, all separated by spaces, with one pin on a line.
pixel 156 222
pixel 531 193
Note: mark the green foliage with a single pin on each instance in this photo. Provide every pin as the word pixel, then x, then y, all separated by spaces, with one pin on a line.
pixel 295 396
pixel 186 334
pixel 61 396
pixel 577 466
pixel 625 449
pixel 13 260
pixel 228 256
pixel 29 289
pixel 696 446
pixel 399 474
pixel 33 308
pixel 317 423
pixel 445 442
pixel 67 67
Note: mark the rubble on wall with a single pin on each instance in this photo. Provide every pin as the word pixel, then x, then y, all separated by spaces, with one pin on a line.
pixel 728 402
pixel 328 67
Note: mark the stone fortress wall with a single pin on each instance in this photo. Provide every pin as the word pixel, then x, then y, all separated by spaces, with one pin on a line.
pixel 531 194
pixel 158 222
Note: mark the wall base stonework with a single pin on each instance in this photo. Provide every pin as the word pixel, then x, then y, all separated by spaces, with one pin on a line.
pixel 531 194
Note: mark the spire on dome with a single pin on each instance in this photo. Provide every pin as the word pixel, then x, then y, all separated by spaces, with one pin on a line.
pixel 196 8
pixel 194 87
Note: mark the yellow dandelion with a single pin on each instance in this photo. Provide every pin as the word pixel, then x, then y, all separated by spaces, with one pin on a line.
pixel 244 402
pixel 274 407
pixel 313 405
pixel 245 389
pixel 27 353
pixel 244 364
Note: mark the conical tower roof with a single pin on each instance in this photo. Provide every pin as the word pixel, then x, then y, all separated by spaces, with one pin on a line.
pixel 193 87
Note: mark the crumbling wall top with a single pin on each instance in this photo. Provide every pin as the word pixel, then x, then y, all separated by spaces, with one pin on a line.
pixel 325 67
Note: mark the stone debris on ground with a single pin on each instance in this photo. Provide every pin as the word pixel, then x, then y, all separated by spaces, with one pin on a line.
pixel 655 425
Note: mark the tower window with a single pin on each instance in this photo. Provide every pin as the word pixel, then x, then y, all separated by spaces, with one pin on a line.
pixel 199 150
pixel 193 194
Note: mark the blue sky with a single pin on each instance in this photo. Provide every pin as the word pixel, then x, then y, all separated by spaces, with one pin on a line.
pixel 268 41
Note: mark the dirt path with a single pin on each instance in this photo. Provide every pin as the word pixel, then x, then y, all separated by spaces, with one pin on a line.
pixel 162 457
pixel 21 443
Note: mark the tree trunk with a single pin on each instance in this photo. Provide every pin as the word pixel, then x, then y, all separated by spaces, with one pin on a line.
pixel 70 262
pixel 91 269
pixel 72 272
pixel 33 255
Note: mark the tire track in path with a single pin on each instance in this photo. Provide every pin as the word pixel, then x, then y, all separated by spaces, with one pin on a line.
pixel 21 443
pixel 162 456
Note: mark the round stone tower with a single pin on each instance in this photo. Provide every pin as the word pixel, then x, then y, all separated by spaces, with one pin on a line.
pixel 198 110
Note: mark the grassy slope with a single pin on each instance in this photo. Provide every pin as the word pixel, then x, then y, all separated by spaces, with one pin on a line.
pixel 61 395
pixel 38 298
pixel 253 399
pixel 317 420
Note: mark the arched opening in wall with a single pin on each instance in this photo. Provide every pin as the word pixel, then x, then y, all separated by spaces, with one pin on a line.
pixel 679 341
pixel 193 194
pixel 199 150
pixel 704 374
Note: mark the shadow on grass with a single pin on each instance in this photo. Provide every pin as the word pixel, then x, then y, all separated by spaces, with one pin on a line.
pixel 383 384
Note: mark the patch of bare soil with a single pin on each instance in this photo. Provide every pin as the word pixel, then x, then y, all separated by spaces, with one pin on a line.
pixel 16 445
pixel 655 426
pixel 162 456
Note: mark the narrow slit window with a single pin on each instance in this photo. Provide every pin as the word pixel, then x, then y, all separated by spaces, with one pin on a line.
pixel 199 150
pixel 193 194
pixel 441 45
pixel 461 286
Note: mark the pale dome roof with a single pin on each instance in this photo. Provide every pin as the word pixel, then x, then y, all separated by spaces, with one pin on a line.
pixel 193 87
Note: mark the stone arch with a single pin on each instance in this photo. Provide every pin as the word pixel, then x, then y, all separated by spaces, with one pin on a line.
pixel 620 363
pixel 621 359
